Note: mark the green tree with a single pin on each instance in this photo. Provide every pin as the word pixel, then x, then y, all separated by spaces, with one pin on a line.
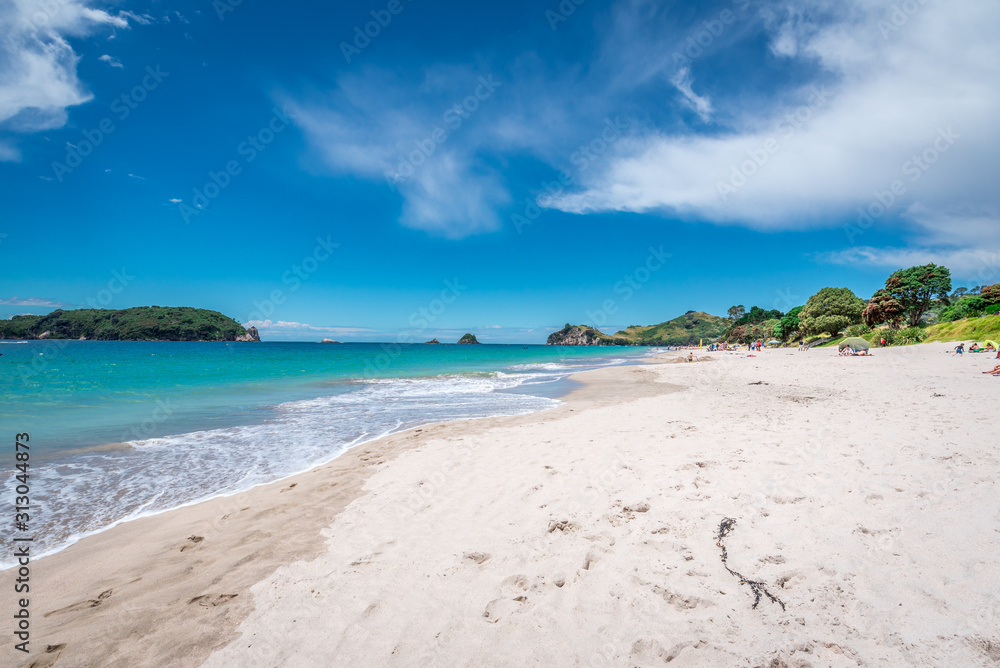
pixel 915 288
pixel 831 310
pixel 883 307
pixel 991 294
pixel 737 312
pixel 788 324
pixel 959 292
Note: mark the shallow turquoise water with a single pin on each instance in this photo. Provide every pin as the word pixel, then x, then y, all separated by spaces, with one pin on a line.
pixel 125 429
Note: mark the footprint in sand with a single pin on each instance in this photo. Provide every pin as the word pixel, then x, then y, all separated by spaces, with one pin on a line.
pixel 49 657
pixel 194 541
pixel 212 600
pixel 499 608
pixel 565 526
pixel 83 605
pixel 478 557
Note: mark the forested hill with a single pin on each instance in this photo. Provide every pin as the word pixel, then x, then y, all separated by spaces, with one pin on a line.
pixel 143 323
pixel 690 328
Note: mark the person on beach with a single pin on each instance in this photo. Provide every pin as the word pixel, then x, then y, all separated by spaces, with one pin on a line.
pixel 690 357
pixel 882 344
pixel 995 371
pixel 959 349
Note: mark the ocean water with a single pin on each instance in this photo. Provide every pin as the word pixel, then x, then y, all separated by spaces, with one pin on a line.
pixel 121 430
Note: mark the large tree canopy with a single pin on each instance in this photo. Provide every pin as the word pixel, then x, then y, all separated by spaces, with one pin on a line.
pixel 831 310
pixel 915 288
pixel 883 307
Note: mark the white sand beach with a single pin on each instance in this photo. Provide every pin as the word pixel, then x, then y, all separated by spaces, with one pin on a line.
pixel 864 493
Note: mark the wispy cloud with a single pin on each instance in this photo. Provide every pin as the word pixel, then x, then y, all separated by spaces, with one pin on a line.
pixel 415 138
pixel 683 82
pixel 288 326
pixel 965 241
pixel 111 61
pixel 31 301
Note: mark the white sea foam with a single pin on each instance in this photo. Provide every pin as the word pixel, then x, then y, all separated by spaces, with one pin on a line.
pixel 93 491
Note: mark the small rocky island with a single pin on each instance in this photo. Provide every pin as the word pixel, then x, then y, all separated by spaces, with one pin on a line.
pixel 142 323
pixel 434 342
pixel 329 341
pixel 468 339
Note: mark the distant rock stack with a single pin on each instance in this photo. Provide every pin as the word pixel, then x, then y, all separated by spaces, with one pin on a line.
pixel 250 336
pixel 329 341
pixel 468 339
pixel 433 342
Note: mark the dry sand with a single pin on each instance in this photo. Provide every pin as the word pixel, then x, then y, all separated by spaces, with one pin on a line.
pixel 864 493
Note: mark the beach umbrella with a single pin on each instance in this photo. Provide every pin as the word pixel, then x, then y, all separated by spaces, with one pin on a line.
pixel 855 342
pixel 989 342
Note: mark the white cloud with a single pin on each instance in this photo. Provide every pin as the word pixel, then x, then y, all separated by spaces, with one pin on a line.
pixel 111 61
pixel 965 241
pixel 38 81
pixel 174 200
pixel 31 301
pixel 408 136
pixel 701 105
pixel 9 153
pixel 288 326
pixel 892 91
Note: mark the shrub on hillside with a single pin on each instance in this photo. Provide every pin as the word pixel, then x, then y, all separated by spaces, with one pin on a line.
pixel 860 329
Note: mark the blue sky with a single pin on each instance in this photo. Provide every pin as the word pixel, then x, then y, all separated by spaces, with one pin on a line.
pixel 501 169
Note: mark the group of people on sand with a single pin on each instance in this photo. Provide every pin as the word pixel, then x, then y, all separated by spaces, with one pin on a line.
pixel 851 352
pixel 976 348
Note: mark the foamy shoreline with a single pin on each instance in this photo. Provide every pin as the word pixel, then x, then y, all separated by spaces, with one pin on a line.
pixel 860 489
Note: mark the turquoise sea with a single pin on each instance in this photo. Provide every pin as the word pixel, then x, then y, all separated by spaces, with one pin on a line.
pixel 121 430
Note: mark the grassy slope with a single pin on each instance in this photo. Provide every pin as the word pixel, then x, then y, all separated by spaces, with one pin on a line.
pixel 134 324
pixel 691 327
pixel 972 329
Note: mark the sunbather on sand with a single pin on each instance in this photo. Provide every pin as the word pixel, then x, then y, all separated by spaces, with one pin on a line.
pixel 995 371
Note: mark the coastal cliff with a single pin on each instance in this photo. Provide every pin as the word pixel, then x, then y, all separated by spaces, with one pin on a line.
pixel 143 323
pixel 582 335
